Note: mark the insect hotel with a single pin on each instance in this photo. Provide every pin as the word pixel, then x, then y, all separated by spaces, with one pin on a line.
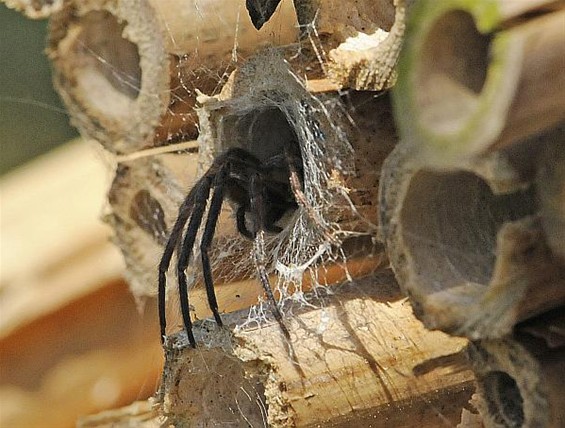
pixel 332 214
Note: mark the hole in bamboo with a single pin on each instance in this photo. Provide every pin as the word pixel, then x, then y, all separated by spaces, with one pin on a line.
pixel 452 72
pixel 107 65
pixel 503 398
pixel 264 132
pixel 450 223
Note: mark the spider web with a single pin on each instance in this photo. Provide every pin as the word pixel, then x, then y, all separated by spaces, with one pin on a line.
pixel 303 247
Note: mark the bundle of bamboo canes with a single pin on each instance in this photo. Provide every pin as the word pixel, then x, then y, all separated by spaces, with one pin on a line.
pixel 129 71
pixel 469 204
pixel 132 72
pixel 471 200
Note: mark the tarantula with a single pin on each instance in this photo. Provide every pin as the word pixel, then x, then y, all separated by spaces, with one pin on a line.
pixel 264 190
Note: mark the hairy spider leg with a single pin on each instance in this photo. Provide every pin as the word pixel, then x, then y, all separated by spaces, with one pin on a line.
pixel 208 235
pixel 257 208
pixel 176 233
pixel 200 200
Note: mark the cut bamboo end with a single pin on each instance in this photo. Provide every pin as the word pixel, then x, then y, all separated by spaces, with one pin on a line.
pixel 473 262
pixel 366 59
pixel 35 9
pixel 467 87
pixel 356 50
pixel 520 382
pixel 350 362
pixel 111 70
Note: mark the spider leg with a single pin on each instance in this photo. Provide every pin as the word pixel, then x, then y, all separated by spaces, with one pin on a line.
pixel 240 221
pixel 200 199
pixel 176 234
pixel 208 236
pixel 296 185
pixel 257 207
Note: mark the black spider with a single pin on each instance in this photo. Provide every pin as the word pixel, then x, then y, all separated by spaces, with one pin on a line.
pixel 266 190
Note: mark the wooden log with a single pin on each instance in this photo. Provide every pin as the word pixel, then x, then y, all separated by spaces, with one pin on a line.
pixel 474 77
pixel 351 361
pixel 473 262
pixel 520 382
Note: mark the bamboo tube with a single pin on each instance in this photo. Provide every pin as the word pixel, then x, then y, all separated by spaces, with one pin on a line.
pixel 473 262
pixel 264 105
pixel 128 70
pixel 469 85
pixel 357 49
pixel 349 363
pixel 35 9
pixel 111 70
pixel 367 54
pixel 520 382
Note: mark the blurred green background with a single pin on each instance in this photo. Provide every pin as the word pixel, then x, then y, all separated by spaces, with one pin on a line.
pixel 32 118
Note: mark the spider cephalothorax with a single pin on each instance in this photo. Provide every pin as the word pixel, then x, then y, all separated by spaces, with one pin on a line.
pixel 265 190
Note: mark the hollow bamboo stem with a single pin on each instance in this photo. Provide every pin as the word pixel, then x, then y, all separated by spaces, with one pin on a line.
pixel 111 70
pixel 520 382
pixel 366 59
pixel 474 78
pixel 473 262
